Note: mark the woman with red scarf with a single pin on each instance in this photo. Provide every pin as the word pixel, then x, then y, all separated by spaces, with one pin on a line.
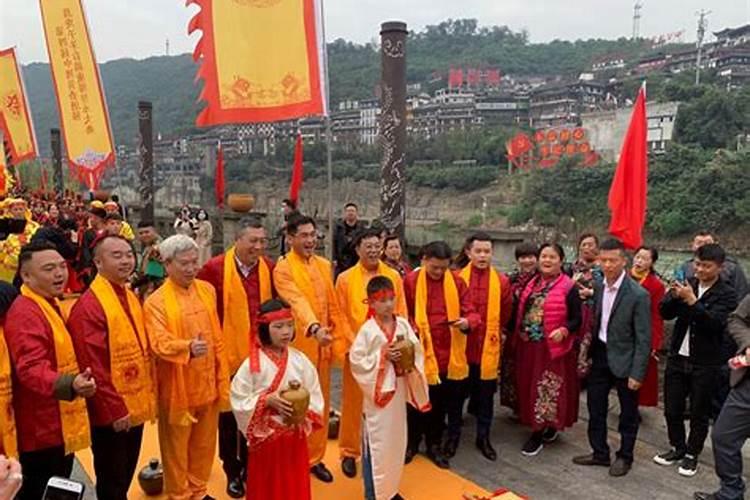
pixel 643 272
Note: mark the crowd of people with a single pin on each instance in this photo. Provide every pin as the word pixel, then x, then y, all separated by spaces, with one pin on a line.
pixel 237 351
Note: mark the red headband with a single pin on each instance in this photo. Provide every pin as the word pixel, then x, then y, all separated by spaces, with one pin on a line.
pixel 381 295
pixel 269 317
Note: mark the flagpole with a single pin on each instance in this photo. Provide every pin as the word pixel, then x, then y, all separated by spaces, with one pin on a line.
pixel 329 133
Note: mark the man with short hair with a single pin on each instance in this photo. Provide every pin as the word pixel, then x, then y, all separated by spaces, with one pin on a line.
pixel 344 256
pixel 242 280
pixel 701 307
pixel 351 289
pixel 439 306
pixel 304 281
pixel 89 231
pixel 490 295
pixel 108 332
pixel 149 261
pixel 731 272
pixel 48 386
pixel 620 351
pixel 192 375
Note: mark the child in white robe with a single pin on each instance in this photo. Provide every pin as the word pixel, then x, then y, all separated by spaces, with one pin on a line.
pixel 385 390
pixel 278 461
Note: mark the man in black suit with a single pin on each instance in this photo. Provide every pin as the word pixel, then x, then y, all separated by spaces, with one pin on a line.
pixel 732 429
pixel 620 352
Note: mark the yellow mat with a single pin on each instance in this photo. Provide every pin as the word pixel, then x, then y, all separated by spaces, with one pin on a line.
pixel 421 479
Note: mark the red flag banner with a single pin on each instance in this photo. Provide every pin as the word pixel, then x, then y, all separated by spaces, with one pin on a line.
pixel 84 118
pixel 627 195
pixel 455 78
pixel 297 172
pixel 220 183
pixel 260 60
pixel 15 118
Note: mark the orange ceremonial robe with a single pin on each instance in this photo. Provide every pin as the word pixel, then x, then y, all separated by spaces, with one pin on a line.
pixel 350 441
pixel 192 391
pixel 313 300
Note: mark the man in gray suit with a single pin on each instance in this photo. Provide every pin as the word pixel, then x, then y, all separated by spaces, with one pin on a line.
pixel 619 352
pixel 732 428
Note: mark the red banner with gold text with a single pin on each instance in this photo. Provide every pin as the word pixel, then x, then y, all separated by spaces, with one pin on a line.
pixel 80 98
pixel 15 118
pixel 261 60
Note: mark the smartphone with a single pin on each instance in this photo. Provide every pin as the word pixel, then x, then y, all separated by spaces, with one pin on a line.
pixel 59 488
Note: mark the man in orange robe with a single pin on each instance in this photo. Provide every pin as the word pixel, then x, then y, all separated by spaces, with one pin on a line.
pixel 242 278
pixel 192 375
pixel 305 281
pixel 351 289
pixel 107 328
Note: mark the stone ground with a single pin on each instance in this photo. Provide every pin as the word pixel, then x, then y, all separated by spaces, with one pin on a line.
pixel 552 475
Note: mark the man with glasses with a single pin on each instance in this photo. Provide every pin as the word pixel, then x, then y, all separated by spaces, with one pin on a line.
pixel 242 279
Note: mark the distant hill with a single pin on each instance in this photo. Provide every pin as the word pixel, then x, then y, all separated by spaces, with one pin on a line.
pixel 354 72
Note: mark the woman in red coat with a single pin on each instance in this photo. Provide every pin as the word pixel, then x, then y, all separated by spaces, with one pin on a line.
pixel 643 272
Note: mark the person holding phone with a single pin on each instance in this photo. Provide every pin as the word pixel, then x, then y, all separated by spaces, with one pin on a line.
pixel 49 386
pixel 191 369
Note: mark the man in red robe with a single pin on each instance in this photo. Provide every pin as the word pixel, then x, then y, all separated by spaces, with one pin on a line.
pixel 254 271
pixel 444 327
pixel 479 352
pixel 108 332
pixel 36 337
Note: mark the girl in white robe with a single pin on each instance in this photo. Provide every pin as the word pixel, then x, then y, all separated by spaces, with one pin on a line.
pixel 278 461
pixel 385 392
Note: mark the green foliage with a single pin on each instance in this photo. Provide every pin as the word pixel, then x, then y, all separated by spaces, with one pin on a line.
pixel 713 118
pixel 689 189
pixel 475 220
pixel 459 178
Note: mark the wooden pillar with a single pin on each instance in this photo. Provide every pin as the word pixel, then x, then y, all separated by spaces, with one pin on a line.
pixel 393 126
pixel 57 168
pixel 146 159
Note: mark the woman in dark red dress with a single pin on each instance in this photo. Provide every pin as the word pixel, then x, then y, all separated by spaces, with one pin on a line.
pixel 643 272
pixel 549 316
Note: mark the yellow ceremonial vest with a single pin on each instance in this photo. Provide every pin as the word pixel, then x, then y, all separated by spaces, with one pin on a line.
pixel 458 367
pixel 74 417
pixel 131 364
pixel 237 328
pixel 7 422
pixel 492 344
pixel 357 291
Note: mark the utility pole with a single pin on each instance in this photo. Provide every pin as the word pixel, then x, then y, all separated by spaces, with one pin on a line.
pixel 637 19
pixel 167 46
pixel 702 25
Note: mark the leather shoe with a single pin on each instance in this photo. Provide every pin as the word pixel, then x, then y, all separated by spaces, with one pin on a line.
pixel 321 472
pixel 349 467
pixel 619 468
pixel 484 445
pixel 450 446
pixel 438 458
pixel 702 495
pixel 590 459
pixel 410 454
pixel 397 497
pixel 236 488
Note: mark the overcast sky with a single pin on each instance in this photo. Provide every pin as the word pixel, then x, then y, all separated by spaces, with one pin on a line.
pixel 140 28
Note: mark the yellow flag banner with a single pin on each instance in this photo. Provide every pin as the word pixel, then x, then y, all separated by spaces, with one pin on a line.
pixel 3 184
pixel 80 98
pixel 260 60
pixel 15 118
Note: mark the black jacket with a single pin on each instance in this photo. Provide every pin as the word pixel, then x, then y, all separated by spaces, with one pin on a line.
pixel 707 320
pixel 343 252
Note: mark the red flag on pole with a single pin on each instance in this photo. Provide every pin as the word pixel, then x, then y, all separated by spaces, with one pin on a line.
pixel 297 172
pixel 627 195
pixel 219 187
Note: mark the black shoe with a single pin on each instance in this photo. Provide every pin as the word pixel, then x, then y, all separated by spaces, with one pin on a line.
pixel 484 445
pixel 450 446
pixel 236 488
pixel 410 454
pixel 321 472
pixel 619 468
pixel 437 457
pixel 670 457
pixel 589 460
pixel 534 445
pixel 702 495
pixel 208 497
pixel 349 467
pixel 688 466
pixel 397 497
pixel 550 435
